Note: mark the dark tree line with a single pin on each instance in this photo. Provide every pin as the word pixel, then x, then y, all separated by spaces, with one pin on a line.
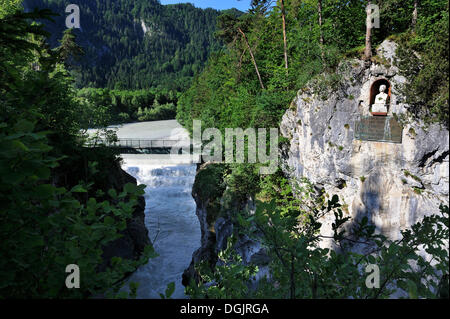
pixel 118 55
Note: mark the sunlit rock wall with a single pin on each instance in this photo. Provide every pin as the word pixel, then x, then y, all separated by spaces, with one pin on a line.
pixel 394 185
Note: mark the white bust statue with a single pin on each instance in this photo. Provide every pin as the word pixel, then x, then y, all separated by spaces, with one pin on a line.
pixel 380 105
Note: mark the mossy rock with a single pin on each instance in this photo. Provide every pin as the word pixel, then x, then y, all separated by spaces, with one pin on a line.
pixel 209 183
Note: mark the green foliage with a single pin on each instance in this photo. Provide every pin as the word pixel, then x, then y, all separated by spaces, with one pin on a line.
pixel 118 55
pixel 160 112
pixel 169 291
pixel 68 48
pixel 408 174
pixel 121 106
pixel 229 279
pixel 242 182
pixel 209 184
pixel 228 93
pixel 9 6
pixel 52 217
pixel 288 227
pixel 44 228
pixel 423 60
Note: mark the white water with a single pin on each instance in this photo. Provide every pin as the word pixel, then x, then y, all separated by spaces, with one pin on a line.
pixel 387 128
pixel 170 217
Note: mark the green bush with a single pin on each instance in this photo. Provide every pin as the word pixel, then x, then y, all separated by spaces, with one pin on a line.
pixel 50 216
pixel 44 227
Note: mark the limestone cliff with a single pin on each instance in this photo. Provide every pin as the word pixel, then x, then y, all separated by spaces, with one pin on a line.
pixel 393 184
pixel 214 211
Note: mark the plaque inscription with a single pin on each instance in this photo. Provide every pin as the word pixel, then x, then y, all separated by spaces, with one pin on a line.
pixel 378 129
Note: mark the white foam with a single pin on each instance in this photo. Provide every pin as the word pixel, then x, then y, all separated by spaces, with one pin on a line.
pixel 169 215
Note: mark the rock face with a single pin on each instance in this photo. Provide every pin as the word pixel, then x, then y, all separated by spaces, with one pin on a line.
pixel 217 226
pixel 207 251
pixel 135 236
pixel 394 185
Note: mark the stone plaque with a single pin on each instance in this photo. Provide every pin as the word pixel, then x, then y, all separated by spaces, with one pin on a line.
pixel 378 129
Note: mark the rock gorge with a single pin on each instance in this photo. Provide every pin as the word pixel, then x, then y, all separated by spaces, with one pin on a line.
pixel 394 184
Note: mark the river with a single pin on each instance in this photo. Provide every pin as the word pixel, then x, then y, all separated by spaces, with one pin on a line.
pixel 172 224
pixel 170 215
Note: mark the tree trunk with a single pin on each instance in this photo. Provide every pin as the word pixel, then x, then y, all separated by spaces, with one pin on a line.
pixel 368 49
pixel 292 279
pixel 283 17
pixel 414 16
pixel 253 57
pixel 240 64
pixel 319 9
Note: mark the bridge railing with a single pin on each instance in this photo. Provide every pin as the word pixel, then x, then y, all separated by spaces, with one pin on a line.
pixel 140 143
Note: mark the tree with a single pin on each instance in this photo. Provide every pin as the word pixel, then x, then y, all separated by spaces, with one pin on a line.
pixel 260 7
pixel 252 56
pixel 283 18
pixel 230 27
pixel 319 10
pixel 68 48
pixel 423 58
pixel 368 47
pixel 414 15
pixel 54 212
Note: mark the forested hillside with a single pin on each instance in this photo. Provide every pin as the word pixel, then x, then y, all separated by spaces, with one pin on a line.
pixel 274 53
pixel 303 61
pixel 135 44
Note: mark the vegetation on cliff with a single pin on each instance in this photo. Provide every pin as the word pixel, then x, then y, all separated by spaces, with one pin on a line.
pixel 250 84
pixel 270 54
pixel 287 227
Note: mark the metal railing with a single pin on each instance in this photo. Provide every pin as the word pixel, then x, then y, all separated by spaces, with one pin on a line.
pixel 141 143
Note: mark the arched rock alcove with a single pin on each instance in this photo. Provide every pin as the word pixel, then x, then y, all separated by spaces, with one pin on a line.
pixel 375 89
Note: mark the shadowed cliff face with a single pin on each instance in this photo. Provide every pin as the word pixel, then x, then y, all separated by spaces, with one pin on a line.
pixel 217 225
pixel 394 185
pixel 135 236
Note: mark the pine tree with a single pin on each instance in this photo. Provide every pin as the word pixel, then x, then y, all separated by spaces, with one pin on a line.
pixel 69 49
pixel 368 48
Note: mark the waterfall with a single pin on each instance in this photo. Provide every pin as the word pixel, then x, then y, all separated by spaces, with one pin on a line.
pixel 172 223
pixel 387 128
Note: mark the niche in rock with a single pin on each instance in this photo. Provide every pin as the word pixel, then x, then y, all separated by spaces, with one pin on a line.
pixel 380 97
